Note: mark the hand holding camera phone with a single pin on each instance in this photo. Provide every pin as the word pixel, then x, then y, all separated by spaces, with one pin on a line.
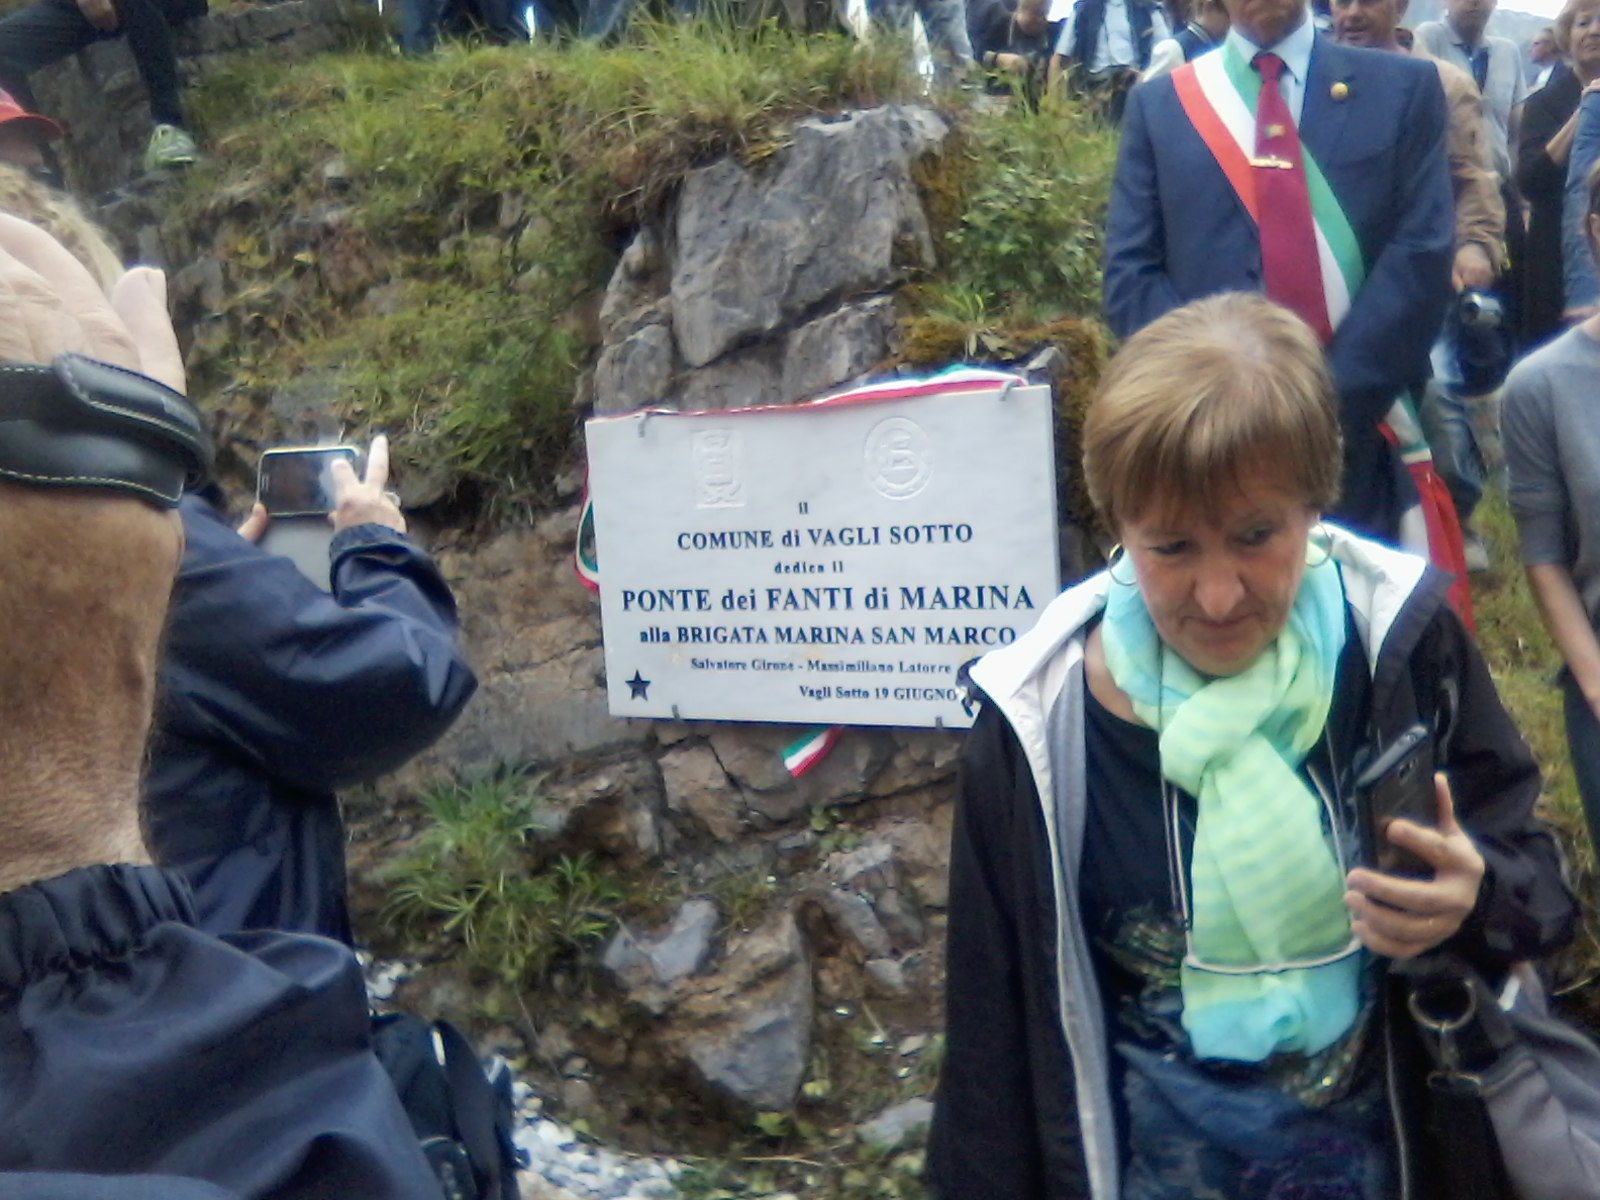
pixel 309 492
pixel 1397 783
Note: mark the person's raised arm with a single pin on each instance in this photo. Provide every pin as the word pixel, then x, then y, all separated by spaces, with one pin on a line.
pixel 320 690
pixel 1570 628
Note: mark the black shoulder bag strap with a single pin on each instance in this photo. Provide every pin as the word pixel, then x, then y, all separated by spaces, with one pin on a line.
pixel 480 1126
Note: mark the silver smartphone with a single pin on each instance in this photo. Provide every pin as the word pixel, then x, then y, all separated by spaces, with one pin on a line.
pixel 297 481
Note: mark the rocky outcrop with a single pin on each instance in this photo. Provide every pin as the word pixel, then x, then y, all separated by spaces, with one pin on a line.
pixel 840 214
pixel 773 285
pixel 759 286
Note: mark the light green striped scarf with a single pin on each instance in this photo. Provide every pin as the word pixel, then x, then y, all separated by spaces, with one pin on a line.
pixel 1265 885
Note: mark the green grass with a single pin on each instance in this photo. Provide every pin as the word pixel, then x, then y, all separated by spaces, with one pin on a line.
pixel 1029 227
pixel 491 189
pixel 474 879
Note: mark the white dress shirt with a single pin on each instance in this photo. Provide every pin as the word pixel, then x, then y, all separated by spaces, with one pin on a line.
pixel 1295 50
pixel 1115 46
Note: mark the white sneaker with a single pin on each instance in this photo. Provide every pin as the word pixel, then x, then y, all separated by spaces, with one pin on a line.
pixel 170 146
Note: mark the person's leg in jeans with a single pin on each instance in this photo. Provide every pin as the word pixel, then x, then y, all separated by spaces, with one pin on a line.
pixel 419 26
pixel 1447 424
pixel 1583 742
pixel 603 19
pixel 895 15
pixel 945 23
pixel 37 36
pixel 1483 413
pixel 503 21
pixel 150 42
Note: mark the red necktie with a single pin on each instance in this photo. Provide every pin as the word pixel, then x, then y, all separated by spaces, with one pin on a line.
pixel 1289 262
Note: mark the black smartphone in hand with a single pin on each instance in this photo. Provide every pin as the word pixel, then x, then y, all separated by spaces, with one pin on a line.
pixel 297 481
pixel 1397 783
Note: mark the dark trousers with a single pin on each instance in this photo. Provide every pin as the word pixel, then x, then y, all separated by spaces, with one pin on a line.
pixel 1583 743
pixel 49 30
pixel 422 22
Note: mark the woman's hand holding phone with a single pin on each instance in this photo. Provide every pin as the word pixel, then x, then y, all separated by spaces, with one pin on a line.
pixel 1402 916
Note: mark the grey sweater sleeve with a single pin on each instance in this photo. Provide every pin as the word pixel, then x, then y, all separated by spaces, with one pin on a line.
pixel 1535 487
pixel 1552 437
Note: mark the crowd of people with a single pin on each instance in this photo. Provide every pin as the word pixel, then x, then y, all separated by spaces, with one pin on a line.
pixel 1175 967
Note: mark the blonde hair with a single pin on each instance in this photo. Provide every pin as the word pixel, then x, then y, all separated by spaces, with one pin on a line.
pixel 1198 401
pixel 23 196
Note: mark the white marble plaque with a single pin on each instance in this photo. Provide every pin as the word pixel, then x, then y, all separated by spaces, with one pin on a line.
pixel 823 564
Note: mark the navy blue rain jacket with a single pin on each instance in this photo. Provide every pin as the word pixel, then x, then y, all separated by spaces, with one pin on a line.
pixel 141 1059
pixel 275 693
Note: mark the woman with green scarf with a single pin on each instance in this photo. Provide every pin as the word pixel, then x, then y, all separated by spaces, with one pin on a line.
pixel 1167 961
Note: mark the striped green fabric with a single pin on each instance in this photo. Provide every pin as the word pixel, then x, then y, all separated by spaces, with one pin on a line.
pixel 1326 210
pixel 1265 885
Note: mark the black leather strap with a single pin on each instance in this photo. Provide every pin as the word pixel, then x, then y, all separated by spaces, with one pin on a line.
pixel 80 423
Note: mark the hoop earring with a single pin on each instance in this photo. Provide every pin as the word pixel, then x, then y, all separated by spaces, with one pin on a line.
pixel 1117 555
pixel 1319 539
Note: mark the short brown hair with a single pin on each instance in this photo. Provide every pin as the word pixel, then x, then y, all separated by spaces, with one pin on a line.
pixel 1196 401
pixel 1564 20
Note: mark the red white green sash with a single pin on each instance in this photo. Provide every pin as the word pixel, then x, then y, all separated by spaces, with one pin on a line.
pixel 1219 92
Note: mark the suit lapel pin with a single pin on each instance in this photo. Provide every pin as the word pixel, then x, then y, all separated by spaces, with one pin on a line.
pixel 1340 90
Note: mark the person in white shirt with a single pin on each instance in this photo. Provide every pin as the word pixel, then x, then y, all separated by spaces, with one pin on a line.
pixel 1105 45
pixel 1205 30
pixel 1543 55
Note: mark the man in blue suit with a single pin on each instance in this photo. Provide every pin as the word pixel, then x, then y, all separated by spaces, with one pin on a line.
pixel 1372 126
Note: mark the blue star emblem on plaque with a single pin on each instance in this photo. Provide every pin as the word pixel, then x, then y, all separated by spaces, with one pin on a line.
pixel 638 687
